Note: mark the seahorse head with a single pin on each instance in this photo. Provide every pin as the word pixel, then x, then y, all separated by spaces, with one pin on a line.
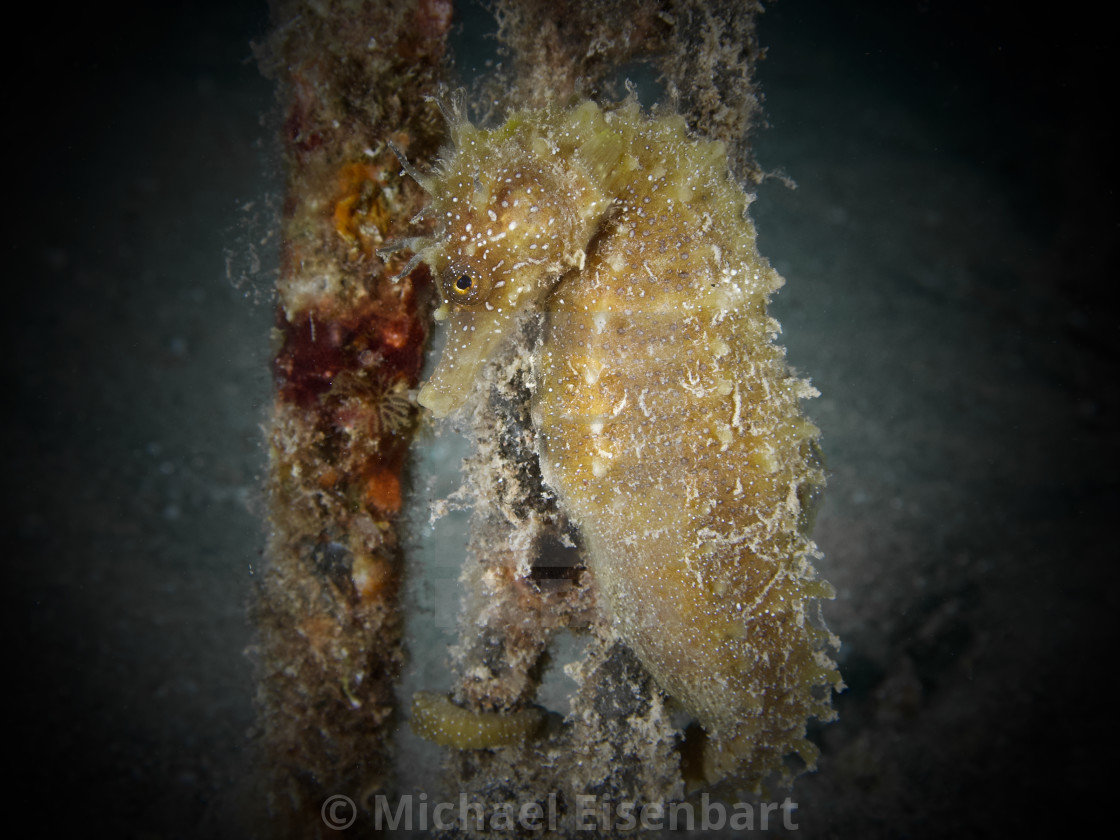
pixel 515 208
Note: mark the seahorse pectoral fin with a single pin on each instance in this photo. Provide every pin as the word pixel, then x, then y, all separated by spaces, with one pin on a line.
pixel 473 336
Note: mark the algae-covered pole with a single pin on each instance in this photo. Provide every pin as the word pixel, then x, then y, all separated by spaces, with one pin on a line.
pixel 354 78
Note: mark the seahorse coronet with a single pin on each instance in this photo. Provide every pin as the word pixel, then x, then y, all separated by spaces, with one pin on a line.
pixel 668 421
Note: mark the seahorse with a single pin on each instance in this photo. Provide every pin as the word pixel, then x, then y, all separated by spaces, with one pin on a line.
pixel 668 420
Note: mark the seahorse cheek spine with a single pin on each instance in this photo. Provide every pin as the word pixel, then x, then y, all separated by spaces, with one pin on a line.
pixel 670 424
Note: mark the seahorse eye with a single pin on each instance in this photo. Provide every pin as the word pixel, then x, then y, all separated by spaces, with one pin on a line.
pixel 465 287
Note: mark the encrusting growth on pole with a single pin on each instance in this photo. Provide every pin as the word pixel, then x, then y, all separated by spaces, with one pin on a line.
pixel 352 77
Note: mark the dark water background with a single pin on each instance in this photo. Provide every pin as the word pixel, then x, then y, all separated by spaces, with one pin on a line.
pixel 949 251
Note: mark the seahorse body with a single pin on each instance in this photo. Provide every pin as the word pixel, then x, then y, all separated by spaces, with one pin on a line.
pixel 668 420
